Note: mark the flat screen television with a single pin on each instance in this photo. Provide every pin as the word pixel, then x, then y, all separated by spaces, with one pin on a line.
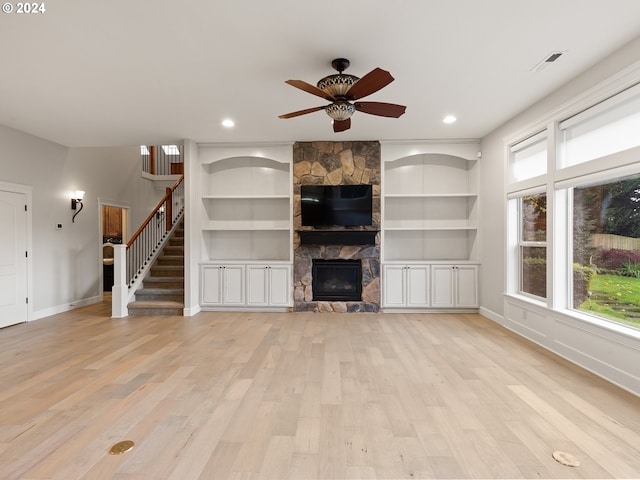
pixel 336 205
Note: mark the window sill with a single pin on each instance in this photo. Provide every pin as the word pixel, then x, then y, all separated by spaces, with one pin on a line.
pixel 592 320
pixel 610 325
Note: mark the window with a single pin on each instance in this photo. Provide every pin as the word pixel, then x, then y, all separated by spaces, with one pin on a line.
pixel 606 249
pixel 595 212
pixel 533 245
pixel 606 128
pixel 529 158
pixel 171 149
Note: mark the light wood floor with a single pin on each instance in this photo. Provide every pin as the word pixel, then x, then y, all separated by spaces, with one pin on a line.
pixel 301 396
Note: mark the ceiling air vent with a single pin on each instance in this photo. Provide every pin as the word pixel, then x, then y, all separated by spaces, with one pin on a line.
pixel 548 60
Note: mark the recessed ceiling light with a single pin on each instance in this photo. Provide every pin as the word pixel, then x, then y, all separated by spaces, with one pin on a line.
pixel 449 119
pixel 228 123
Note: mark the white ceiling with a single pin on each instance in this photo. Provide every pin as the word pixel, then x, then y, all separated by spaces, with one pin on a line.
pixel 127 72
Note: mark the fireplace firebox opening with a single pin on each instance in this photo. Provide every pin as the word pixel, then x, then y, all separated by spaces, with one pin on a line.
pixel 337 280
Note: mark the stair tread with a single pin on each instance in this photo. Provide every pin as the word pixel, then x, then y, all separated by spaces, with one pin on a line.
pixel 155 304
pixel 160 289
pixel 171 278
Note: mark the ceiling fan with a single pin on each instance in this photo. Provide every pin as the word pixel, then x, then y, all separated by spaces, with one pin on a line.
pixel 342 90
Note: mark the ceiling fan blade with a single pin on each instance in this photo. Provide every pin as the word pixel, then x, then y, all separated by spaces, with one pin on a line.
pixel 307 87
pixel 381 109
pixel 341 125
pixel 301 112
pixel 370 83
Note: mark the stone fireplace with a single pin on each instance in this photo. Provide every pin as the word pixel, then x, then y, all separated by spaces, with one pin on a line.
pixel 336 163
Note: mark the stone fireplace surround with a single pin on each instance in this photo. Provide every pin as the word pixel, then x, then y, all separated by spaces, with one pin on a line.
pixel 336 163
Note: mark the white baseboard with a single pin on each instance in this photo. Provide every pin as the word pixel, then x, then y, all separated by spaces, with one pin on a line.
pixel 47 312
pixel 491 315
pixel 190 312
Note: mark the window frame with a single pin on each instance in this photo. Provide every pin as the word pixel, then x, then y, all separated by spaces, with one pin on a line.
pixel 522 244
pixel 539 137
pixel 556 182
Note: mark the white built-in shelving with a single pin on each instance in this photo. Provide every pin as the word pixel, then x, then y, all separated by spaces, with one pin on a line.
pixel 430 230
pixel 430 207
pixel 246 205
pixel 246 227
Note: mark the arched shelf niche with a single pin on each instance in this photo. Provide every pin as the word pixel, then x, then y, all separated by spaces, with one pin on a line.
pixel 246 203
pixel 467 149
pixel 430 204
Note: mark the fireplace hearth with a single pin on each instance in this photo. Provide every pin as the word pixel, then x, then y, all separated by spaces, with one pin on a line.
pixel 337 280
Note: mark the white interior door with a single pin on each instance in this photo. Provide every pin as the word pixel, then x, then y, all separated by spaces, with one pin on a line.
pixel 13 261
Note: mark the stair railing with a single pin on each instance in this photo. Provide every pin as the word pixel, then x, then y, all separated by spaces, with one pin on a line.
pixel 162 159
pixel 131 261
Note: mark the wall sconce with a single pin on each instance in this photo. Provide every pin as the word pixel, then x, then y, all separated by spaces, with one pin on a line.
pixel 78 195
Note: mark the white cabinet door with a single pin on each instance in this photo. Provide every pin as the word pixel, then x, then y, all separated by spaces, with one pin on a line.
pixel 280 286
pixel 257 283
pixel 233 284
pixel 211 285
pixel 406 286
pixel 442 286
pixel 268 285
pixel 454 286
pixel 222 285
pixel 466 286
pixel 417 285
pixel 394 285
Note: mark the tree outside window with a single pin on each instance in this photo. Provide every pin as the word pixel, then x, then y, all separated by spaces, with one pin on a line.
pixel 606 250
pixel 533 245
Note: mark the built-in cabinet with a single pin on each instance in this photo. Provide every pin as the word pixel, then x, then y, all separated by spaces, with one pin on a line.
pixel 222 285
pixel 454 286
pixel 406 286
pixel 430 229
pixel 268 285
pixel 246 232
pixel 430 286
pixel 245 285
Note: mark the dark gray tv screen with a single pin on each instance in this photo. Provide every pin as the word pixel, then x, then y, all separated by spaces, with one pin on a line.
pixel 336 205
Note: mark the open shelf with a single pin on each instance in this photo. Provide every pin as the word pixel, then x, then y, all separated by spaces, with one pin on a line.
pixel 428 245
pixel 246 245
pixel 244 197
pixel 246 177
pixel 429 195
pixel 242 225
pixel 246 210
pixel 430 209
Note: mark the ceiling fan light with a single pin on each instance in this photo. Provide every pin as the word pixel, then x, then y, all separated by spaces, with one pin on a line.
pixel 337 85
pixel 340 110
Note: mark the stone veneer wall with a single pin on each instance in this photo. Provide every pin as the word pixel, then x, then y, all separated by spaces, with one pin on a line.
pixel 336 163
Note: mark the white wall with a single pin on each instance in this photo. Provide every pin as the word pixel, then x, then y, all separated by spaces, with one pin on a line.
pixel 492 223
pixel 66 270
pixel 604 348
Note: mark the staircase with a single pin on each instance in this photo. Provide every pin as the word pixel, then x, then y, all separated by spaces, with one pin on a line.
pixel 162 290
